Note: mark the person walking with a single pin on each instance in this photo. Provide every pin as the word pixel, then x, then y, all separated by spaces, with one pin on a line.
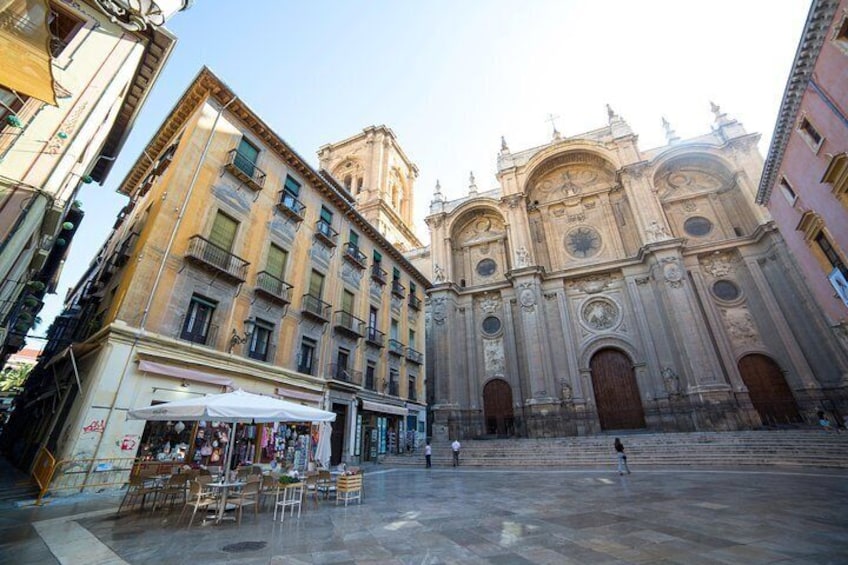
pixel 622 458
pixel 455 447
pixel 428 452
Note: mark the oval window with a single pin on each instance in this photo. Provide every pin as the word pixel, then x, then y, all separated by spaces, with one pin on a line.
pixel 491 325
pixel 726 290
pixel 486 268
pixel 697 226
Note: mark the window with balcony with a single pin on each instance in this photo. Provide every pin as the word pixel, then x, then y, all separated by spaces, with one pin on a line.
pixel 392 387
pixel 260 340
pixel 289 203
pixel 63 27
pixel 377 272
pixel 246 156
pixel 324 227
pixel 352 251
pixel 306 357
pixel 370 370
pixel 397 288
pixel 414 301
pixel 271 281
pixel 198 320
pixel 223 234
pixel 313 305
pixel 316 284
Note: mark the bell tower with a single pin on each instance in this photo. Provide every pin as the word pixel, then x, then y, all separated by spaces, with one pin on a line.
pixel 374 169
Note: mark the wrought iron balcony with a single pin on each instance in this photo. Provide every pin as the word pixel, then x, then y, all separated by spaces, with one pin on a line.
pixel 122 254
pixel 396 347
pixel 245 170
pixel 398 289
pixel 348 323
pixel 341 373
pixel 414 356
pixel 218 259
pixel 378 274
pixel 354 255
pixel 325 232
pixel 291 206
pixel 375 336
pixel 414 302
pixel 315 307
pixel 274 288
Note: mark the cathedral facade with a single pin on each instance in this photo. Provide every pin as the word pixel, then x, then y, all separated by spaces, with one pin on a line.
pixel 602 287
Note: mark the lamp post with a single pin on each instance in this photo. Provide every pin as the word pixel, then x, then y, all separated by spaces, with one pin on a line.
pixel 237 339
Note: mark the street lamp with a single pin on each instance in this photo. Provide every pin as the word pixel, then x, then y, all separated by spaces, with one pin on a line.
pixel 237 339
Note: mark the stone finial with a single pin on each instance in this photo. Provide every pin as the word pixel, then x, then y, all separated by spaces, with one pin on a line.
pixel 611 114
pixel 670 134
pixel 472 186
pixel 556 135
pixel 437 193
pixel 721 118
pixel 504 147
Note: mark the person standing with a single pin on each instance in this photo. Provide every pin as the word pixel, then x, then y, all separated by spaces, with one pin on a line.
pixel 622 458
pixel 455 447
pixel 428 452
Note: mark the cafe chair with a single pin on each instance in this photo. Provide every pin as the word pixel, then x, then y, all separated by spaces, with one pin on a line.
pixel 310 487
pixel 197 498
pixel 173 490
pixel 249 496
pixel 137 490
pixel 325 483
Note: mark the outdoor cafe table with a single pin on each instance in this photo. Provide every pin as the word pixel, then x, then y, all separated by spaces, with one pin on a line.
pixel 224 487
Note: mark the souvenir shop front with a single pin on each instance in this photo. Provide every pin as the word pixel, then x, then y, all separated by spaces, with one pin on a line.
pixel 381 429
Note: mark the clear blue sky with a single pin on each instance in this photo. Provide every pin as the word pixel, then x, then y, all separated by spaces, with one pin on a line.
pixel 451 77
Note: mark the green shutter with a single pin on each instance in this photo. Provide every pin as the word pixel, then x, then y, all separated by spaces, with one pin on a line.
pixel 326 215
pixel 292 187
pixel 248 151
pixel 223 231
pixel 277 258
pixel 377 256
pixel 354 238
pixel 347 302
pixel 316 284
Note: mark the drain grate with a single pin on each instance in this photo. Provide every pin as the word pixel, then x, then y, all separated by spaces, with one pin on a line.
pixel 245 546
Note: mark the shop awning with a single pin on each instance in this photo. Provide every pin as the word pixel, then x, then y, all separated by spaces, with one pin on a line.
pixel 184 373
pixel 384 408
pixel 298 395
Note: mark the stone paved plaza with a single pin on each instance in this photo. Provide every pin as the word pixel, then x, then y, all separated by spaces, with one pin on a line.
pixel 466 515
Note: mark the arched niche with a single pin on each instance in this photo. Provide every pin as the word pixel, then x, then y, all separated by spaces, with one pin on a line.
pixel 701 198
pixel 567 175
pixel 479 247
pixel 350 174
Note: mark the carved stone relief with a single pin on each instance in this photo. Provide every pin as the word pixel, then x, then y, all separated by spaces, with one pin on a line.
pixel 489 303
pixel 439 310
pixel 493 357
pixel 592 284
pixel 527 297
pixel 672 272
pixel 482 227
pixel 600 314
pixel 740 325
pixel 351 275
pixel 720 264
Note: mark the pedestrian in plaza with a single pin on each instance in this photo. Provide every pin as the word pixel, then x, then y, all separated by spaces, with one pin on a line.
pixel 824 422
pixel 622 458
pixel 455 447
pixel 428 452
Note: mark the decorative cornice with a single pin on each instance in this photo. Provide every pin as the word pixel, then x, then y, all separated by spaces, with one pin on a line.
pixel 814 34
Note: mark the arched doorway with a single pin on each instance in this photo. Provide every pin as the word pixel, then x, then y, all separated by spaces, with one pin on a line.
pixel 769 392
pixel 616 392
pixel 497 408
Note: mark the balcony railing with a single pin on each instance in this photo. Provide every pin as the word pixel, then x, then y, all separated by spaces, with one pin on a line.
pixel 291 206
pixel 274 288
pixel 122 255
pixel 414 302
pixel 245 170
pixel 341 373
pixel 414 356
pixel 315 307
pixel 375 336
pixel 393 388
pixel 207 254
pixel 354 255
pixel 347 322
pixel 325 232
pixel 398 289
pixel 396 347
pixel 378 274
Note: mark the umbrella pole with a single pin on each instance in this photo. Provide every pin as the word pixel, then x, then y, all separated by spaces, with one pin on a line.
pixel 230 449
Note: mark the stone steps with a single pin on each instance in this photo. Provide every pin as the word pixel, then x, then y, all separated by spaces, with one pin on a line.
pixel 804 448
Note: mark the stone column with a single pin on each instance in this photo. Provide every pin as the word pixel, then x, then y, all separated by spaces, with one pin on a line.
pixel 529 302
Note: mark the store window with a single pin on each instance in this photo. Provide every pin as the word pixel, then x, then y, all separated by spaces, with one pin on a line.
pixel 166 442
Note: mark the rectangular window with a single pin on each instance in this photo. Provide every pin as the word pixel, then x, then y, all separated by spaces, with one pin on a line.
pixel 198 319
pixel 377 257
pixel 372 317
pixel 810 134
pixel 316 284
pixel 325 222
pixel 394 331
pixel 412 394
pixel 260 340
pixel 10 104
pixel 354 238
pixel 63 28
pixel 246 157
pixel 223 232
pixel 292 187
pixel 832 256
pixel 370 370
pixel 277 259
pixel 787 191
pixel 342 358
pixel 412 288
pixel 395 274
pixel 347 301
pixel 412 339
pixel 393 382
pixel 306 358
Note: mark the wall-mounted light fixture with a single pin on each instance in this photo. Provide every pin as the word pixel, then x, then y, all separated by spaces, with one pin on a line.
pixel 237 339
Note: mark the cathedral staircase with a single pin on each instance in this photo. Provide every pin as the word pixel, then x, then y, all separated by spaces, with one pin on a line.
pixel 795 448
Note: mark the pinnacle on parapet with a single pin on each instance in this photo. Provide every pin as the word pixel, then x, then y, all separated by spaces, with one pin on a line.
pixel 504 147
pixel 437 193
pixel 472 186
pixel 611 115
pixel 720 117
pixel 670 134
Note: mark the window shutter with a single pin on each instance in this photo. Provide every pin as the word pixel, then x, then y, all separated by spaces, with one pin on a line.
pixel 277 259
pixel 223 232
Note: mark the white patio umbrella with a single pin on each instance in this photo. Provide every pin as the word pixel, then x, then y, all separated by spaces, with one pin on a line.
pixel 232 407
pixel 323 449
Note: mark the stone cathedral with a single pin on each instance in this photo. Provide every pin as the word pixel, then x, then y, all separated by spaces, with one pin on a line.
pixel 604 287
